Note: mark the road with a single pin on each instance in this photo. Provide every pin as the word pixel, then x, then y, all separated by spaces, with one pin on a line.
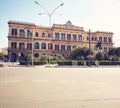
pixel 59 87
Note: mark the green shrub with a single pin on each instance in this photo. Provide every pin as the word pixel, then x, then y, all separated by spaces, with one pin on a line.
pixel 30 63
pixel 66 62
pixel 80 63
pixel 90 63
pixel 109 62
pixel 118 62
pixel 104 62
pixel 53 61
pixel 114 63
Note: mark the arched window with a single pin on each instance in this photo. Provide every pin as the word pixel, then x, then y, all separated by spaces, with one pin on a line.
pixel 79 37
pixel 14 32
pixel 21 46
pixel 29 46
pixel 56 47
pixel 57 36
pixel 36 45
pixel 43 34
pixel 92 39
pixel 49 35
pixel 36 34
pixel 29 33
pixel 13 45
pixel 43 46
pixel 50 46
pixel 22 33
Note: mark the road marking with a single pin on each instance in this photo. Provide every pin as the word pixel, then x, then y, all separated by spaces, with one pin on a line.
pixel 94 83
pixel 10 81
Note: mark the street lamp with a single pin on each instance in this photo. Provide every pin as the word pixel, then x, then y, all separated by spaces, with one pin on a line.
pixel 49 15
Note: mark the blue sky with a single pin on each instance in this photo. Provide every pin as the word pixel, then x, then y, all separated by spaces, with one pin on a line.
pixel 102 15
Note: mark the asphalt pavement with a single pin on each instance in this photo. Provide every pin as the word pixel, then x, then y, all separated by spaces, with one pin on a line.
pixel 59 87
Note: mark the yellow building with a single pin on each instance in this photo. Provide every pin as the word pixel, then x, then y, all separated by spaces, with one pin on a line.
pixel 23 38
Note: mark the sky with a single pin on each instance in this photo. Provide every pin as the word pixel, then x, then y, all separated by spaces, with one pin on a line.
pixel 102 15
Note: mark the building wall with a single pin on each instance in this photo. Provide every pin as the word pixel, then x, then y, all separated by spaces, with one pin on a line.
pixel 4 50
pixel 62 39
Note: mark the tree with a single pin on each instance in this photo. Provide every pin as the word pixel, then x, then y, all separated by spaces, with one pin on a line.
pixel 114 53
pixel 1 56
pixel 81 53
pixel 106 57
pixel 44 58
pixel 118 52
pixel 99 56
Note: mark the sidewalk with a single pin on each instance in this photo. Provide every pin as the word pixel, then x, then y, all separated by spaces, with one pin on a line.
pixel 16 64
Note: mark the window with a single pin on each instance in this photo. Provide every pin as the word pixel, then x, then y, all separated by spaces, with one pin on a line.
pixel 50 46
pixel 36 34
pixel 100 39
pixel 109 39
pixel 49 35
pixel 63 47
pixel 29 46
pixel 68 36
pixel 43 34
pixel 29 33
pixel 79 37
pixel 56 47
pixel 95 38
pixel 68 47
pixel 74 37
pixel 36 45
pixel 56 36
pixel 74 47
pixel 13 45
pixel 22 33
pixel 43 46
pixel 21 46
pixel 62 36
pixel 92 38
pixel 14 32
pixel 105 39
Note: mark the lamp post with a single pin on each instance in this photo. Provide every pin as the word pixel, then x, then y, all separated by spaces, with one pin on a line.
pixel 49 15
pixel 89 49
pixel 32 49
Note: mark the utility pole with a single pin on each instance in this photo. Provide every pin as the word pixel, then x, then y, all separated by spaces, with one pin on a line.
pixel 89 49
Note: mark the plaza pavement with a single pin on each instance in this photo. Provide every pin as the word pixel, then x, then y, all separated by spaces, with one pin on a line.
pixel 59 87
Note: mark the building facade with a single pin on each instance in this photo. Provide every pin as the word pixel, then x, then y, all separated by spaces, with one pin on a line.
pixel 4 50
pixel 28 38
